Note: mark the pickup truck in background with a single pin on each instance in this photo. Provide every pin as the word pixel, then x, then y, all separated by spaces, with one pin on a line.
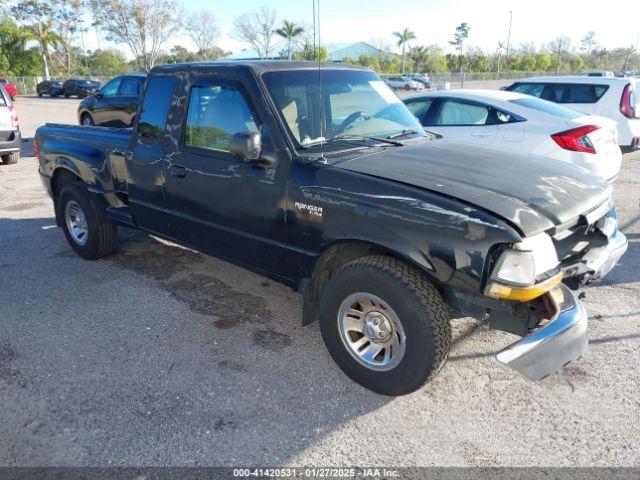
pixel 320 178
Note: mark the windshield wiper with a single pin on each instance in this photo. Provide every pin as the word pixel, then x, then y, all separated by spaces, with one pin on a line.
pixel 347 138
pixel 403 133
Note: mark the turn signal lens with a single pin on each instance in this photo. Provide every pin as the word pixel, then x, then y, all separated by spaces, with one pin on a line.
pixel 522 294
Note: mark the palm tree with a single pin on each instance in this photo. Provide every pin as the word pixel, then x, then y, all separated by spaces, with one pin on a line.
pixel 403 37
pixel 289 30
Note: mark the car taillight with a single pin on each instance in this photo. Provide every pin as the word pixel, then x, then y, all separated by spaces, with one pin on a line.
pixel 14 117
pixel 627 106
pixel 36 149
pixel 576 139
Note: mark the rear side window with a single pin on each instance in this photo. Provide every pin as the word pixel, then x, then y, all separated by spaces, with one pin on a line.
pixel 574 93
pixel 129 87
pixel 534 89
pixel 216 113
pixel 548 107
pixel 456 113
pixel 3 99
pixel 155 107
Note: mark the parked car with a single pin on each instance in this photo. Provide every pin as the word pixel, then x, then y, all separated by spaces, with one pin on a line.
pixel 11 89
pixel 383 231
pixel 79 87
pixel 116 104
pixel 420 78
pixel 400 82
pixel 519 122
pixel 10 138
pixel 598 74
pixel 614 98
pixel 53 88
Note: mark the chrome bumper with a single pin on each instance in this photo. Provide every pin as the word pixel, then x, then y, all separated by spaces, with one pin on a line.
pixel 551 347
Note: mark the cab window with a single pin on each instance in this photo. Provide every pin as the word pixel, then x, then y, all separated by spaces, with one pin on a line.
pixel 216 113
pixel 155 107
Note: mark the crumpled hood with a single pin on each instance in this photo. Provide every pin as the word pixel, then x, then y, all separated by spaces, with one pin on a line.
pixel 535 193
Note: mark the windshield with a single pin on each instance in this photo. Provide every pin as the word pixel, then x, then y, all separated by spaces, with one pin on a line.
pixel 548 107
pixel 348 104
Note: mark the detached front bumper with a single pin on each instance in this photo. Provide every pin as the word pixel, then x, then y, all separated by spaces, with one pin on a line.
pixel 563 338
pixel 550 347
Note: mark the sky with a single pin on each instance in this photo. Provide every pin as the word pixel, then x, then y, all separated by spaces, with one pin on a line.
pixel 434 21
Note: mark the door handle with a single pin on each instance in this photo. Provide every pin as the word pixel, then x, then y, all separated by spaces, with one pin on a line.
pixel 178 171
pixel 481 134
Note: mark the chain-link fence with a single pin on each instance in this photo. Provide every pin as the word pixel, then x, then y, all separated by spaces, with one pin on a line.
pixel 442 81
pixel 27 85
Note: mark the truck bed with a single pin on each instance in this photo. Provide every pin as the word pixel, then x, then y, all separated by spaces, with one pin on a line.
pixel 95 154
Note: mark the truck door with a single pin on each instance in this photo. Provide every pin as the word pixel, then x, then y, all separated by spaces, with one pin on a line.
pixel 145 159
pixel 217 202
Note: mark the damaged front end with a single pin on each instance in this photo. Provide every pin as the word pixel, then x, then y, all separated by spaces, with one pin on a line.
pixel 542 308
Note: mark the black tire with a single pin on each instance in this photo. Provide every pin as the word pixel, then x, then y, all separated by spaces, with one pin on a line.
pixel 86 119
pixel 102 236
pixel 66 95
pixel 422 312
pixel 11 158
pixel 39 94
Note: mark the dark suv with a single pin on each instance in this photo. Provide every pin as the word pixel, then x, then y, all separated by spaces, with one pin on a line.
pixel 115 105
pixel 53 88
pixel 79 87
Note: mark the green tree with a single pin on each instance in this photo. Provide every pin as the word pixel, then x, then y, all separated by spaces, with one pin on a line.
pixel 15 58
pixel 106 63
pixel 289 31
pixel 38 18
pixel 404 36
pixel 462 33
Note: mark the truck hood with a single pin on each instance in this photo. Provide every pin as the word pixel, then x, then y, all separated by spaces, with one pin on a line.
pixel 534 193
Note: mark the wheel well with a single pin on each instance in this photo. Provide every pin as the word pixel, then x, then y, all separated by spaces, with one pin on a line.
pixel 60 178
pixel 331 260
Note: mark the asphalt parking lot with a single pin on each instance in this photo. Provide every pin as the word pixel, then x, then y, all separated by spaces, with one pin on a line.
pixel 159 355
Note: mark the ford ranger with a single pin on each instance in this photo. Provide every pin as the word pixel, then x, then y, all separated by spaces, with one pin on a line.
pixel 319 177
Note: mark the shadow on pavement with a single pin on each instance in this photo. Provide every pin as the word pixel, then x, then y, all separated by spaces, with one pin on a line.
pixel 156 355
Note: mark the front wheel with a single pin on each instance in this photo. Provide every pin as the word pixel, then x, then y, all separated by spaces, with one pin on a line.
pixel 87 231
pixel 385 324
pixel 86 120
pixel 40 94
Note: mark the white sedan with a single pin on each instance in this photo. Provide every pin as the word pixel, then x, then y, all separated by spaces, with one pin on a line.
pixel 514 121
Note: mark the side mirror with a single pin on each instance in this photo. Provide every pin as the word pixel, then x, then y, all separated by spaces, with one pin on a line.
pixel 247 146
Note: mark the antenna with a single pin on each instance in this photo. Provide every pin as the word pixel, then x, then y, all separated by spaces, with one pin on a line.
pixel 316 21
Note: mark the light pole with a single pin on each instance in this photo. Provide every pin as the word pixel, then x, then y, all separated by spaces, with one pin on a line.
pixel 509 34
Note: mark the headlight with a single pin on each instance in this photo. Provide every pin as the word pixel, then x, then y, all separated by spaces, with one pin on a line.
pixel 515 273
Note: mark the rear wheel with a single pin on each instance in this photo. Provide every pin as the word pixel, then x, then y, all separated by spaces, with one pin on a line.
pixel 40 94
pixel 84 225
pixel 385 325
pixel 11 158
pixel 86 120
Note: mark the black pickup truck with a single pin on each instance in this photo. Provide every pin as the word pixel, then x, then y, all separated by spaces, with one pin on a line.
pixel 319 177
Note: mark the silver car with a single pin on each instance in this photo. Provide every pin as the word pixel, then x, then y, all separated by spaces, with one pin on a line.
pixel 10 138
